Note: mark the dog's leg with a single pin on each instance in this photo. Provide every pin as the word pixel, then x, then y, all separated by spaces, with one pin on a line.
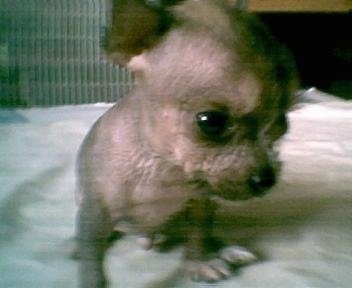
pixel 201 264
pixel 94 229
pixel 206 258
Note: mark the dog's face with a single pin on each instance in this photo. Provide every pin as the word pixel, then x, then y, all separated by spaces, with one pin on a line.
pixel 215 99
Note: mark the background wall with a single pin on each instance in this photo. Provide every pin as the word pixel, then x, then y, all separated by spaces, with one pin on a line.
pixel 322 45
pixel 300 5
pixel 50 50
pixel 50 54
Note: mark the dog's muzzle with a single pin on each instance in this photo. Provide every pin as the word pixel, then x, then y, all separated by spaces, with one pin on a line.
pixel 262 180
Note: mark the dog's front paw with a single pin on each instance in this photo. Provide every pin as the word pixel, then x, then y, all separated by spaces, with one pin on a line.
pixel 207 271
pixel 237 256
pixel 219 268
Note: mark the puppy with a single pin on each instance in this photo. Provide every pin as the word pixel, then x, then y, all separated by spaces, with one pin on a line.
pixel 212 89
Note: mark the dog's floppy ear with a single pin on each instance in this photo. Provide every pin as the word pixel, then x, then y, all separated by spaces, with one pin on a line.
pixel 136 25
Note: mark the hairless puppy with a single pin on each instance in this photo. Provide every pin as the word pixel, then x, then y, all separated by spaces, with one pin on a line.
pixel 211 93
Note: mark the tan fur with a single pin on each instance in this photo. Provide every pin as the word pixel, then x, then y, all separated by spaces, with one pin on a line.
pixel 145 160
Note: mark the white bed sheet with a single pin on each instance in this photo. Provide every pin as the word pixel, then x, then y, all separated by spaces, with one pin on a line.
pixel 304 227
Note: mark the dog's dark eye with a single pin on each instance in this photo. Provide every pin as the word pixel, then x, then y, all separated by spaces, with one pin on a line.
pixel 213 124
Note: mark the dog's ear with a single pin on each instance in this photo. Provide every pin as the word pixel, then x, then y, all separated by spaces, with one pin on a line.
pixel 136 25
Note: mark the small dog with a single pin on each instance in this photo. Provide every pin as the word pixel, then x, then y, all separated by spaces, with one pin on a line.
pixel 212 89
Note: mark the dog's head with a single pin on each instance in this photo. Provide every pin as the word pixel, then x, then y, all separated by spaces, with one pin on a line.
pixel 215 87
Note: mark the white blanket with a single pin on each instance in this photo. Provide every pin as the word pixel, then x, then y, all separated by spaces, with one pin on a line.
pixel 303 228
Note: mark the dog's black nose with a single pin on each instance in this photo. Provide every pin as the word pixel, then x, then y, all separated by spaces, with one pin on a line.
pixel 262 180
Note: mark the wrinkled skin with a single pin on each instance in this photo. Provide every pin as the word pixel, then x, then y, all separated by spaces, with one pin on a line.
pixel 212 89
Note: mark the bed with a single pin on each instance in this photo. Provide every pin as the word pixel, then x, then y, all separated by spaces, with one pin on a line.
pixel 302 229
